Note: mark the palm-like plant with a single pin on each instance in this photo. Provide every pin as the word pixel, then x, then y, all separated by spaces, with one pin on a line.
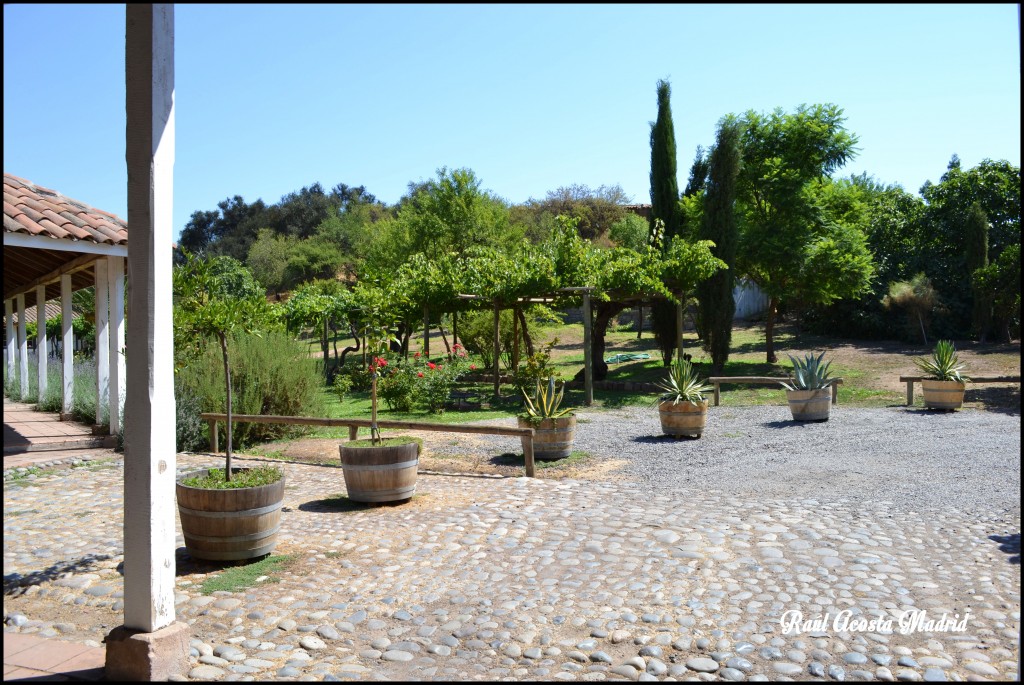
pixel 944 365
pixel 683 384
pixel 809 373
pixel 545 402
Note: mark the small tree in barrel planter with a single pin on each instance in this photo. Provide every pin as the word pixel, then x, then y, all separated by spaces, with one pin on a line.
pixel 378 470
pixel 230 513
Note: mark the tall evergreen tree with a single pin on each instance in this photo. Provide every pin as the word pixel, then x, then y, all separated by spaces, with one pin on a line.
pixel 718 224
pixel 976 253
pixel 664 206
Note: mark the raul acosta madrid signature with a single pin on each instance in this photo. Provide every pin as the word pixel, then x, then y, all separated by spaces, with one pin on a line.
pixel 914 620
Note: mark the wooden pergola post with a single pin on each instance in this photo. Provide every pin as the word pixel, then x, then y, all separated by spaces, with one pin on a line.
pixel 588 360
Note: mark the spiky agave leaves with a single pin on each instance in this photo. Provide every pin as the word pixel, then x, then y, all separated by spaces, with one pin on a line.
pixel 944 365
pixel 809 374
pixel 546 402
pixel 683 385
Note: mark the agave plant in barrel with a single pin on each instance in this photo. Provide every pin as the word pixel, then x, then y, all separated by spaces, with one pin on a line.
pixel 682 407
pixel 943 385
pixel 554 426
pixel 810 390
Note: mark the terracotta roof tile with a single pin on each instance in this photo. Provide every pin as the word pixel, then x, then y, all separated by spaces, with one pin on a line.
pixel 35 210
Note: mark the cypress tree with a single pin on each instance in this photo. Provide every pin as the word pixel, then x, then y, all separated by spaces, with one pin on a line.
pixel 664 206
pixel 717 305
pixel 976 254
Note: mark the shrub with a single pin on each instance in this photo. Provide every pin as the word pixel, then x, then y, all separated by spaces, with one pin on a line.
pixel 342 385
pixel 270 374
pixel 434 380
pixel 396 386
pixel 536 367
pixel 83 394
pixel 357 375
pixel 190 430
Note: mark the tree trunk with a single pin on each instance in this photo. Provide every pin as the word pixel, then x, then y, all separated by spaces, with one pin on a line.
pixel 769 331
pixel 639 320
pixel 444 339
pixel 526 333
pixel 605 312
pixel 455 328
pixel 227 384
pixel 515 339
pixel 920 320
pixel 356 348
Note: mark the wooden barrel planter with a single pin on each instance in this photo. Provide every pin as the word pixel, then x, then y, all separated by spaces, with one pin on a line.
pixel 810 405
pixel 947 395
pixel 552 438
pixel 683 418
pixel 229 524
pixel 380 473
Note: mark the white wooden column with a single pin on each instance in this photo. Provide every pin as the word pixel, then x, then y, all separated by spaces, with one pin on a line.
pixel 115 283
pixel 12 344
pixel 41 352
pixel 150 457
pixel 102 338
pixel 22 346
pixel 67 333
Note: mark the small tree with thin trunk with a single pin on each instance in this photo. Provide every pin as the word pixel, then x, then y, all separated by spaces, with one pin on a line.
pixel 206 307
pixel 916 297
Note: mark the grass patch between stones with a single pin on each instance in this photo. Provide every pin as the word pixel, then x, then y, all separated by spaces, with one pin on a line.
pixel 244 577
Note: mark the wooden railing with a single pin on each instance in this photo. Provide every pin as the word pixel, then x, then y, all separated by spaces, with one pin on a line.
pixel 355 424
pixel 910 380
pixel 766 380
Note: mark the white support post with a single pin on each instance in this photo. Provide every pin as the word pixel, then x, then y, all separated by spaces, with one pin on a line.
pixel 102 338
pixel 115 287
pixel 22 346
pixel 150 457
pixel 67 344
pixel 12 344
pixel 41 352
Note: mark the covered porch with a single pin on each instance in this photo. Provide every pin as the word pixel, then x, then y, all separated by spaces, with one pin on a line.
pixel 54 246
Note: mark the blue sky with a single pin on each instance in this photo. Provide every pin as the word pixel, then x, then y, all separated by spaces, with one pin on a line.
pixel 271 98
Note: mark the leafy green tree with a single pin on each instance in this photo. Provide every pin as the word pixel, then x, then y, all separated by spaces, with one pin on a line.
pixel 630 231
pixel 228 230
pixel 597 210
pixel 311 259
pixel 976 249
pixel 995 186
pixel 790 246
pixel 999 283
pixel 715 294
pixel 268 259
pixel 214 299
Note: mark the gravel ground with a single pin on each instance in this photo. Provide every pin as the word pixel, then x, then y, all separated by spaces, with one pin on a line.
pixel 908 458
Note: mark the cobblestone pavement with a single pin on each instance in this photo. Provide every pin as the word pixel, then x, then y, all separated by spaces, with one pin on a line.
pixel 483 578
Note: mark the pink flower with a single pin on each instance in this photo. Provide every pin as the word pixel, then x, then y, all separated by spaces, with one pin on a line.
pixel 472 367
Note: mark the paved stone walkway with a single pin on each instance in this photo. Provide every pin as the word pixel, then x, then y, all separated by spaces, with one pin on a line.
pixel 530 579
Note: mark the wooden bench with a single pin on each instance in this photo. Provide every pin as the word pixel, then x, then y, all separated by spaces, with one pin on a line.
pixel 766 380
pixel 910 380
pixel 355 424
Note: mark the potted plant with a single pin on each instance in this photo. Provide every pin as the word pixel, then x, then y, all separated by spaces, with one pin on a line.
pixel 809 392
pixel 682 407
pixel 229 513
pixel 379 469
pixel 944 386
pixel 554 427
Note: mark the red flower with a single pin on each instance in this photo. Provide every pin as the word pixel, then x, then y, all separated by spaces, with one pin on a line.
pixel 420 374
pixel 431 365
pixel 416 356
pixel 472 367
pixel 456 346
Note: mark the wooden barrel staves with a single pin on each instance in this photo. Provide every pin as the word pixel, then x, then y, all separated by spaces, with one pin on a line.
pixel 552 438
pixel 810 405
pixel 683 418
pixel 947 395
pixel 380 473
pixel 230 524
